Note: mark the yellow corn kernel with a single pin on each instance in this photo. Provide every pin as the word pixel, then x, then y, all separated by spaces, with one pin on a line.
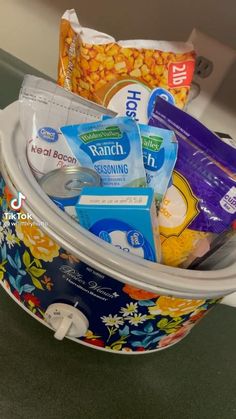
pixel 119 58
pixel 94 76
pixel 165 73
pixel 101 67
pixel 149 61
pixel 60 80
pixel 109 59
pixel 65 61
pixel 147 78
pixel 99 84
pixel 144 70
pixel 100 57
pixel 64 27
pixel 135 53
pixel 135 73
pixel 84 85
pixel 159 60
pixel 120 66
pixel 109 46
pixel 88 46
pixel 91 82
pixel 130 63
pixel 84 51
pixel 92 53
pixel 84 93
pixel 165 55
pixel 99 48
pixel 138 62
pixel 172 57
pixel 109 64
pixel 181 93
pixel 64 50
pixel 148 53
pixel 127 52
pixel 78 61
pixel 154 83
pixel 77 73
pixel 110 76
pixel 163 83
pixel 156 55
pixel 158 70
pixel 84 64
pixel 74 84
pixel 68 40
pixel 94 65
pixel 102 74
pixel 70 33
pixel 85 56
pixel 113 50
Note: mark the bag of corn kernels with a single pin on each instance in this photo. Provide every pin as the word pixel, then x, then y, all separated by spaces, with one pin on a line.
pixel 125 76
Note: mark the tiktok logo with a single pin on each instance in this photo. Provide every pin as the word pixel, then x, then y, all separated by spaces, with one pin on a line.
pixel 16 203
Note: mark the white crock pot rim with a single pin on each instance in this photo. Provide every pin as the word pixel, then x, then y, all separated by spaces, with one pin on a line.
pixel 102 256
pixel 125 279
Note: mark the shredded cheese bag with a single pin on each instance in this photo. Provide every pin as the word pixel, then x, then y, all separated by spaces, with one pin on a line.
pixel 125 76
pixel 200 203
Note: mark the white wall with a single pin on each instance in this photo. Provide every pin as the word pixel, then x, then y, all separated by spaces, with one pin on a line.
pixel 29 29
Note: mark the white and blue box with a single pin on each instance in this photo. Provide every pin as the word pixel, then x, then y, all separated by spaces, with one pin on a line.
pixel 124 217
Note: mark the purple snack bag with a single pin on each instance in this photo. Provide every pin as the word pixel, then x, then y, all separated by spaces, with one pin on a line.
pixel 201 200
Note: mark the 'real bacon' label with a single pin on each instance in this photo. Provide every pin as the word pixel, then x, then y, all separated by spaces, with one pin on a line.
pixel 48 150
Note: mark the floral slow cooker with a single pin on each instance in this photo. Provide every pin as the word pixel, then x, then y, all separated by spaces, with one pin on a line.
pixel 79 285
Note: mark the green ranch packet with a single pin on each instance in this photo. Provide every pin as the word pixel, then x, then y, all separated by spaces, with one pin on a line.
pixel 112 147
pixel 159 156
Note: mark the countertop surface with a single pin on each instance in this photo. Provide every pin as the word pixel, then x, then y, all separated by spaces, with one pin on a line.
pixel 44 378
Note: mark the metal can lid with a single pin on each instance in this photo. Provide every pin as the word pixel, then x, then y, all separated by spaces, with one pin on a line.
pixel 68 181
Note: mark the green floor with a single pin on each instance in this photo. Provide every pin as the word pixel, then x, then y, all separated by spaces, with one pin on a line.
pixel 41 378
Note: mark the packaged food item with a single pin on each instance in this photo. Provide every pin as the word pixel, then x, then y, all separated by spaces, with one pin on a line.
pixel 43 107
pixel 200 204
pixel 226 138
pixel 159 148
pixel 64 186
pixel 159 157
pixel 124 217
pixel 111 147
pixel 219 249
pixel 125 76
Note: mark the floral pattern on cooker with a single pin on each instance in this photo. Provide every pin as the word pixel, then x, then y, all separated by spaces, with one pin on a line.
pixel 133 320
pixel 135 329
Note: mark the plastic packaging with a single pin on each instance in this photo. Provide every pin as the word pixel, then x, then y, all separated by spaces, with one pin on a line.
pixel 112 148
pixel 200 204
pixel 159 148
pixel 125 76
pixel 219 249
pixel 159 157
pixel 43 107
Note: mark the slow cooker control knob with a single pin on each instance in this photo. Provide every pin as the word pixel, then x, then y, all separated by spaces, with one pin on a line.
pixel 66 320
